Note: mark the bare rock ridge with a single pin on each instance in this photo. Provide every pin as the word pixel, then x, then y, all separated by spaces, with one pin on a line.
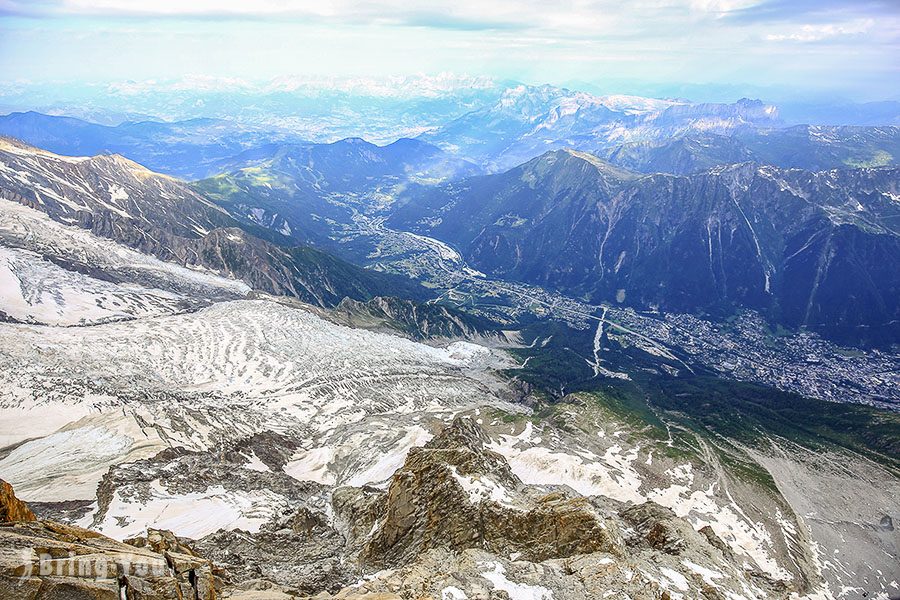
pixel 455 493
pixel 454 517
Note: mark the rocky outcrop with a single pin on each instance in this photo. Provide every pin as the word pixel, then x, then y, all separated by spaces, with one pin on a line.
pixel 301 553
pixel 161 541
pixel 11 508
pixel 44 560
pixel 657 527
pixel 453 493
pixel 456 522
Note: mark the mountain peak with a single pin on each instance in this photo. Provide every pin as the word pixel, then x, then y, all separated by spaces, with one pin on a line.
pixel 117 161
pixel 560 159
pixel 16 146
pixel 353 141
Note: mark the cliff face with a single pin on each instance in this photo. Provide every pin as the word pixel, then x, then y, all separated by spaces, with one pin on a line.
pixel 11 508
pixel 454 493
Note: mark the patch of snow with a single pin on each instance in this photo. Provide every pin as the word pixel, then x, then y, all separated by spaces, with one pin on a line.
pixel 516 591
pixel 312 465
pixel 69 464
pixel 255 464
pixel 391 459
pixel 677 579
pixel 482 488
pixel 193 515
pixel 453 593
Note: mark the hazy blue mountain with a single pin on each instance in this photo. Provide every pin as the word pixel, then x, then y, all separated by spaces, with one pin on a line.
pixel 316 109
pixel 188 149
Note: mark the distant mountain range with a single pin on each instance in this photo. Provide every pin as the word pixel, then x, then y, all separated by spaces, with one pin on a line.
pixel 495 129
pixel 648 202
pixel 526 122
pixel 188 149
pixel 813 249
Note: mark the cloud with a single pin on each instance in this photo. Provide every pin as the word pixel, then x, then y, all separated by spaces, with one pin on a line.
pixel 412 86
pixel 818 33
pixel 811 10
pixel 444 14
pixel 696 41
pixel 565 16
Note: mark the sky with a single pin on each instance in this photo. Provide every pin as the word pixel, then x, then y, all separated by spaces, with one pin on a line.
pixel 849 48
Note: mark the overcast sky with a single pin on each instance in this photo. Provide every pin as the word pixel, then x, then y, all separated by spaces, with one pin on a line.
pixel 850 47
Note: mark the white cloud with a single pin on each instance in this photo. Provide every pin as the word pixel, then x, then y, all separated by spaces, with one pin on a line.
pixel 560 41
pixel 568 16
pixel 817 33
pixel 412 86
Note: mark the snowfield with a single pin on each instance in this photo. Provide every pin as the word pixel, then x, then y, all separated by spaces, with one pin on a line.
pixel 224 372
pixel 28 235
pixel 34 290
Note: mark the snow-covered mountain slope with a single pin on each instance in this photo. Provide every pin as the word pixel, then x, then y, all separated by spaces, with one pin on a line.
pixel 527 121
pixel 160 216
pixel 60 274
pixel 67 187
pixel 35 290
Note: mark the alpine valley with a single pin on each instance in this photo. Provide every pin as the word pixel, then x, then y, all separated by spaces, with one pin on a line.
pixel 503 342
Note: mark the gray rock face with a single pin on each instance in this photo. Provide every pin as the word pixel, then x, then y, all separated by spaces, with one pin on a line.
pixel 455 511
pixel 453 493
pixel 300 552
